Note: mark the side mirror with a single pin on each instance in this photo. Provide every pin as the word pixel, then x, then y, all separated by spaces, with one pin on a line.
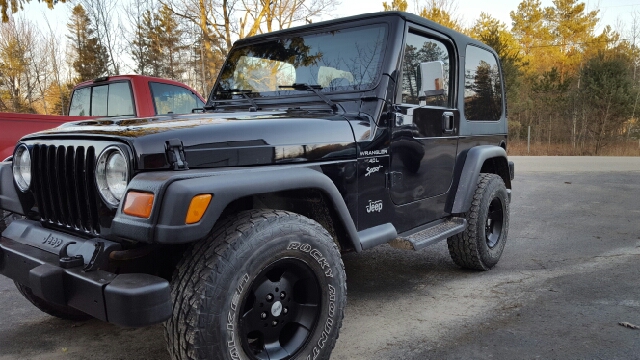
pixel 432 80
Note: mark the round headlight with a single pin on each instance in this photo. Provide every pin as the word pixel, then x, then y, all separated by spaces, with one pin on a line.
pixel 112 175
pixel 22 168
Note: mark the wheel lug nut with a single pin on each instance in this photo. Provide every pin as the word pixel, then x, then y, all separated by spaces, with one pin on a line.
pixel 285 310
pixel 269 297
pixel 282 295
pixel 274 323
pixel 263 315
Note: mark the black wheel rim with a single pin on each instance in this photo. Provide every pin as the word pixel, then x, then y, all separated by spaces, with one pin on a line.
pixel 280 311
pixel 493 226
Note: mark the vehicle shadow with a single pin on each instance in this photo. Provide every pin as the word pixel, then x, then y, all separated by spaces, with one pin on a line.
pixel 46 337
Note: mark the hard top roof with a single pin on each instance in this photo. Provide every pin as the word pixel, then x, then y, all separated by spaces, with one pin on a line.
pixel 460 39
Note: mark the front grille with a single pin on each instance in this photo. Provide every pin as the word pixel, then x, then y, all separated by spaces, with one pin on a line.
pixel 63 185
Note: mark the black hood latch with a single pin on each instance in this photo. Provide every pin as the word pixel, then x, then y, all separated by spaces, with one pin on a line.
pixel 175 153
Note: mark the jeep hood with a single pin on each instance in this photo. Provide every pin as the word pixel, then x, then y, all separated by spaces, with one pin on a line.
pixel 221 139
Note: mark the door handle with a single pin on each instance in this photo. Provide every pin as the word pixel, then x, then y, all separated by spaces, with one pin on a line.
pixel 447 122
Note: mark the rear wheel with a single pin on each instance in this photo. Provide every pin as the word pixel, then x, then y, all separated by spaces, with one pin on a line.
pixel 480 246
pixel 267 284
pixel 59 311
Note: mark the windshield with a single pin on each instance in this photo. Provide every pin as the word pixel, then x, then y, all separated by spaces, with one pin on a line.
pixel 339 60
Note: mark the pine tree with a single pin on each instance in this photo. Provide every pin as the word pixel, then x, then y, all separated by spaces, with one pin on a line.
pixel 170 37
pixel 442 12
pixel 91 57
pixel 396 5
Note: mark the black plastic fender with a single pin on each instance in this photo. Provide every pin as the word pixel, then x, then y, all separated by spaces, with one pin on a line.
pixel 174 190
pixel 466 176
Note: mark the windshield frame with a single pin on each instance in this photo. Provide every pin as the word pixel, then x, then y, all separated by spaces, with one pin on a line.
pixel 317 29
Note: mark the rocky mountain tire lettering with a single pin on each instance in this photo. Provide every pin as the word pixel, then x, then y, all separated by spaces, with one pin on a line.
pixel 374 206
pixel 231 343
pixel 328 326
pixel 316 254
pixel 374 169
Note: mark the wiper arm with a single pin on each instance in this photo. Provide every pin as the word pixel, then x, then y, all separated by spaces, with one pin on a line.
pixel 316 89
pixel 244 94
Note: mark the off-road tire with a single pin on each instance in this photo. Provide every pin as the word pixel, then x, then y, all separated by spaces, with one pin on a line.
pixel 59 311
pixel 220 277
pixel 471 248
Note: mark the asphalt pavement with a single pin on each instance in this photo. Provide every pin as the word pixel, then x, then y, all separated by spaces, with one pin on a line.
pixel 569 275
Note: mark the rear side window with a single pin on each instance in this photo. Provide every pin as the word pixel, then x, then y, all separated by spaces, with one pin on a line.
pixel 173 99
pixel 113 99
pixel 482 85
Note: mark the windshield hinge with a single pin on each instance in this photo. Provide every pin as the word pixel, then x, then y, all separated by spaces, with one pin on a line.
pixel 175 153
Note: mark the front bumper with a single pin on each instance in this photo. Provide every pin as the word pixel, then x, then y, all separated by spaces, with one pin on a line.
pixel 28 256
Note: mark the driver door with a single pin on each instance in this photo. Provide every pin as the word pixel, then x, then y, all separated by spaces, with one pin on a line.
pixel 425 134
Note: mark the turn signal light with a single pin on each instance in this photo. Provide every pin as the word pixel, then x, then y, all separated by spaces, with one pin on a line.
pixel 198 206
pixel 138 204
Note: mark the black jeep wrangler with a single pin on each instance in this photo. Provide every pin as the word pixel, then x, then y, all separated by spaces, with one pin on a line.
pixel 228 224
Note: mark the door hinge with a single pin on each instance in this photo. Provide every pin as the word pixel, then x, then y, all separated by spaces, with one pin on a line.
pixel 175 153
pixel 393 178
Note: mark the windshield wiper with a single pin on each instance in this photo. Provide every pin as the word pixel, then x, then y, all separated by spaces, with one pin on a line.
pixel 244 93
pixel 316 89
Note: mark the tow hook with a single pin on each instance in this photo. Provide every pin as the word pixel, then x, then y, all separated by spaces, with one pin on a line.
pixel 66 261
pixel 91 266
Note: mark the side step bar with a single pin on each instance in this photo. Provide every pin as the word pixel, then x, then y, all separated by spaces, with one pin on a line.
pixel 431 235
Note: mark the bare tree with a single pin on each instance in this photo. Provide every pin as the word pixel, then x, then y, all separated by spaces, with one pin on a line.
pixel 102 14
pixel 17 50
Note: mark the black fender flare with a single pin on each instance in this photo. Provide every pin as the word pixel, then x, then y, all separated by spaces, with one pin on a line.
pixel 174 191
pixel 466 176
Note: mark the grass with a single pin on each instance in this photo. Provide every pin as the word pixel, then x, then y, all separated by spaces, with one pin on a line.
pixel 622 148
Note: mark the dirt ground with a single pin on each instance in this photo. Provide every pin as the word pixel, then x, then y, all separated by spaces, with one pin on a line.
pixel 568 276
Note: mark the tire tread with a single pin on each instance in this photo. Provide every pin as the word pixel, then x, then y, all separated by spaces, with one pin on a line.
pixel 212 255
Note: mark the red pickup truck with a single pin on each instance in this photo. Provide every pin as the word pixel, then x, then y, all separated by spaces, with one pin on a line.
pixel 123 95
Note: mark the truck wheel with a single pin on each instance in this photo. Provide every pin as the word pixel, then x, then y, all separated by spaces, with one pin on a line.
pixel 266 284
pixel 59 311
pixel 480 246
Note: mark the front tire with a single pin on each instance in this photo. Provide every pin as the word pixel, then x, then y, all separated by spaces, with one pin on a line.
pixel 480 246
pixel 266 284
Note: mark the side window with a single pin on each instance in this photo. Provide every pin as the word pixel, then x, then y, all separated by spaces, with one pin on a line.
pixel 425 72
pixel 80 102
pixel 482 85
pixel 173 99
pixel 99 100
pixel 120 100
